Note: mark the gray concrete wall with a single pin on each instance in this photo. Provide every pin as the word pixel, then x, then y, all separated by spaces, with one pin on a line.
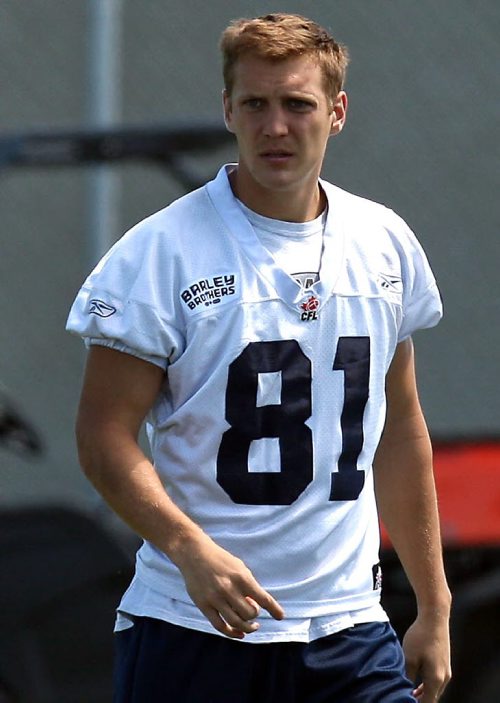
pixel 422 137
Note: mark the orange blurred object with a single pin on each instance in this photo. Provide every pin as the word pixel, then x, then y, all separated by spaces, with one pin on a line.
pixel 468 485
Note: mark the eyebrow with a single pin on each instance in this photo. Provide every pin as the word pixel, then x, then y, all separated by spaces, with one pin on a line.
pixel 288 95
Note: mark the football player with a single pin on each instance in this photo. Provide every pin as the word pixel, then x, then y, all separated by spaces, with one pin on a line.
pixel 262 324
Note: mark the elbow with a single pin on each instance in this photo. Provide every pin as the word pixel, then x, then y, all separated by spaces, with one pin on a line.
pixel 103 447
pixel 92 444
pixel 86 444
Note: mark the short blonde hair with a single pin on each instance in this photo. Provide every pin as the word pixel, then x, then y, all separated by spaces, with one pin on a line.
pixel 278 36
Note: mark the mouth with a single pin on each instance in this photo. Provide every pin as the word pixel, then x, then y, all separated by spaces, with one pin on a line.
pixel 276 155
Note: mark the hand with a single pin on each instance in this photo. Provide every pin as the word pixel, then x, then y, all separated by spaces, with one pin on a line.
pixel 224 589
pixel 427 652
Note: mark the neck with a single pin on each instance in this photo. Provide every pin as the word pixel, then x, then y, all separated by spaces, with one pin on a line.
pixel 279 205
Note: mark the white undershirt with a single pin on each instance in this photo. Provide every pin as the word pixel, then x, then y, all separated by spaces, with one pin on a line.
pixel 295 246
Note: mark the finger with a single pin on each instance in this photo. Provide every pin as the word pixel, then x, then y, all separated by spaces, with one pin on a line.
pixel 418 692
pixel 266 601
pixel 255 607
pixel 430 694
pixel 237 623
pixel 254 591
pixel 244 606
pixel 218 623
pixel 236 613
pixel 444 685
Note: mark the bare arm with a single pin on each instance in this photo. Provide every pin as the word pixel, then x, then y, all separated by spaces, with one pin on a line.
pixel 118 391
pixel 406 497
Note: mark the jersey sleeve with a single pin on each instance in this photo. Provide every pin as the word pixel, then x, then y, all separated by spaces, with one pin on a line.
pixel 422 306
pixel 127 304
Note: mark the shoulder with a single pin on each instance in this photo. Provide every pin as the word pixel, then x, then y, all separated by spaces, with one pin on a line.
pixel 380 247
pixel 197 210
pixel 371 225
pixel 170 234
pixel 357 208
pixel 176 244
pixel 174 218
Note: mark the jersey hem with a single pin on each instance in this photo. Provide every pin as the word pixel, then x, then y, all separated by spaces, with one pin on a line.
pixel 294 609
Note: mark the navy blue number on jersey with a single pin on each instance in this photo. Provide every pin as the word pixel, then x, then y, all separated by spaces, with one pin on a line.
pixel 286 422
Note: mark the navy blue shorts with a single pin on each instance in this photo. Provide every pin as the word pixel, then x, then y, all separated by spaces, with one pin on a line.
pixel 161 663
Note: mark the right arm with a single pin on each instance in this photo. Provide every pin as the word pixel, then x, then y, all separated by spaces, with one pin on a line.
pixel 118 391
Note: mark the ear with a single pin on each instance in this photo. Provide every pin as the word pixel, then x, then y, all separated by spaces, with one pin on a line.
pixel 339 113
pixel 226 101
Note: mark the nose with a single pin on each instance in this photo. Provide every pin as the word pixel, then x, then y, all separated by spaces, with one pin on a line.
pixel 275 122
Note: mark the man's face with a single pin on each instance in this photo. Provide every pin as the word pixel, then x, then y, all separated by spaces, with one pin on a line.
pixel 282 120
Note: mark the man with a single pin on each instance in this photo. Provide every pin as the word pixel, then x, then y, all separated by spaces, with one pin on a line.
pixel 261 323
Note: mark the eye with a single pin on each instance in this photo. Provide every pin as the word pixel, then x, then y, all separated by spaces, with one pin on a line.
pixel 253 103
pixel 299 105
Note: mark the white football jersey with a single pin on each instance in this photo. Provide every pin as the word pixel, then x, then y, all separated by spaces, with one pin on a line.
pixel 266 431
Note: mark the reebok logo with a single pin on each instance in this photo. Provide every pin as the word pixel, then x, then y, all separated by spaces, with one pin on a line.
pixel 389 282
pixel 100 308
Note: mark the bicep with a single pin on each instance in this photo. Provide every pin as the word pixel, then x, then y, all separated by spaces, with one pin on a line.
pixel 404 421
pixel 118 390
pixel 401 384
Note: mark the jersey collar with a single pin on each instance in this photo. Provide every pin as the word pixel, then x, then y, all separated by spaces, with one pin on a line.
pixel 332 257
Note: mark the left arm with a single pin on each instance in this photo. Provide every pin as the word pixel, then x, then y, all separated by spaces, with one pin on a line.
pixel 407 503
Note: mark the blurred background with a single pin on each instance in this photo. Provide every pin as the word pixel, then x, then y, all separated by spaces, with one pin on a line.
pixel 422 137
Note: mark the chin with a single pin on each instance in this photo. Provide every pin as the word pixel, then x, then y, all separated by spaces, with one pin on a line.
pixel 277 181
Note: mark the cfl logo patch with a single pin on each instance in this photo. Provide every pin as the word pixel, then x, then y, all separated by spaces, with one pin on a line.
pixel 310 309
